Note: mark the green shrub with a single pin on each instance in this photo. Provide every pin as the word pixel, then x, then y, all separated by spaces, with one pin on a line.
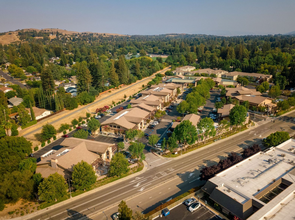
pixel 36 148
pixel 48 142
pixel 10 213
pixel 22 213
pixel 64 132
pixel 43 144
pixel 70 129
pixel 54 137
pixel 83 122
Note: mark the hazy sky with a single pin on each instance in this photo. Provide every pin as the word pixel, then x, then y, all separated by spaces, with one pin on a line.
pixel 220 17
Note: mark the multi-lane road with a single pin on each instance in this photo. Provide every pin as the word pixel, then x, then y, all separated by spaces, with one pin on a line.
pixel 165 181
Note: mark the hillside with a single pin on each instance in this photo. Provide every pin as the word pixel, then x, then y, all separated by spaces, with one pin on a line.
pixel 12 36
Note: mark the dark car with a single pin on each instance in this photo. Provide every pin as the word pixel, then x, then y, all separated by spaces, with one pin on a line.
pixel 31 155
pixel 146 134
pixel 65 136
pixel 115 216
pixel 78 128
pixel 151 126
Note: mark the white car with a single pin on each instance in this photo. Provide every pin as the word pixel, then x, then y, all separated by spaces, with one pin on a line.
pixel 158 145
pixel 97 116
pixel 189 201
pixel 155 123
pixel 194 207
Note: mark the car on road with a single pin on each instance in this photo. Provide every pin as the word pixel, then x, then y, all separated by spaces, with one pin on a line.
pixel 115 216
pixel 79 127
pixel 193 207
pixel 165 212
pixel 189 201
pixel 146 134
pixel 65 136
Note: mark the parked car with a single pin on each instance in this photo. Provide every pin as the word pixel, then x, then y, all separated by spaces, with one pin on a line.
pixel 65 136
pixel 189 201
pixel 115 216
pixel 151 126
pixel 146 135
pixel 165 212
pixel 31 155
pixel 155 123
pixel 194 207
pixel 78 128
pixel 158 145
pixel 127 154
pixel 97 116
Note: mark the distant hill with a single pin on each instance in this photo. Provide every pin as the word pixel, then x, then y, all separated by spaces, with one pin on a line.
pixel 12 36
pixel 291 33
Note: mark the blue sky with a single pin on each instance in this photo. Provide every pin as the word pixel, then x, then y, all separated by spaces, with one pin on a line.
pixel 220 17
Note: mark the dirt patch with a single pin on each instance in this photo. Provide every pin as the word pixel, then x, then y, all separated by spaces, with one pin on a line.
pixel 18 209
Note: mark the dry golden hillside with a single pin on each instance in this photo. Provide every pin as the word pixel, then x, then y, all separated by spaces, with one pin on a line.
pixel 9 38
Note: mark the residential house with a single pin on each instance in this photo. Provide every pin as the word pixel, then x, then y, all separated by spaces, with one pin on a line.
pixel 258 188
pixel 15 101
pixel 67 85
pixel 183 70
pixel 193 118
pixel 39 112
pixel 151 100
pixel 256 76
pixel 62 161
pixel 254 97
pixel 224 111
pixel 217 72
pixel 133 118
pixel 170 86
pixel 145 107
pixel 164 93
pixel 6 89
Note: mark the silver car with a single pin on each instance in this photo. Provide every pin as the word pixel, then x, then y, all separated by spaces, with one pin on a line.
pixel 194 207
pixel 189 201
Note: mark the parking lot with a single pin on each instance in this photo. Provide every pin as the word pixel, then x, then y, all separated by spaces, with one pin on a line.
pixel 181 213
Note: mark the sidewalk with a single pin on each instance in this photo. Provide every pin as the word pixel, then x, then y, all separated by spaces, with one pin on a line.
pixel 84 194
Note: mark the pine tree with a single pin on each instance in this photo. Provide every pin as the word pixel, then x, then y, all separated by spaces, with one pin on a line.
pixel 137 70
pixel 47 80
pixel 84 77
pixel 63 60
pixel 122 70
pixel 113 75
pixel 124 211
pixel 32 113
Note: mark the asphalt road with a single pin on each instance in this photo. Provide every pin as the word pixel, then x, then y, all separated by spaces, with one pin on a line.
pixel 87 106
pixel 14 81
pixel 157 185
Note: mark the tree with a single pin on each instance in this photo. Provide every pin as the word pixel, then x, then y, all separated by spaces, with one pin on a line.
pixel 121 146
pixel 122 70
pixel 125 213
pixel 238 115
pixel 63 127
pixel 14 131
pixel 83 176
pixel 93 124
pixel 23 114
pixel 131 133
pixel 153 139
pixel 48 131
pixel 218 105
pixel 265 85
pixel 136 150
pixel 284 105
pixel 246 104
pixel 119 165
pixel 243 80
pixel 206 125
pixel 85 98
pixel 113 75
pixel 164 144
pixel 172 142
pixel 74 122
pixel 81 134
pixel 28 164
pixel 276 138
pixel 32 113
pixel 142 52
pixel 52 188
pixel 83 76
pixel 10 94
pixel 182 107
pixel 291 101
pixel 274 91
pixel 185 132
pixel 47 80
pixel 138 216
